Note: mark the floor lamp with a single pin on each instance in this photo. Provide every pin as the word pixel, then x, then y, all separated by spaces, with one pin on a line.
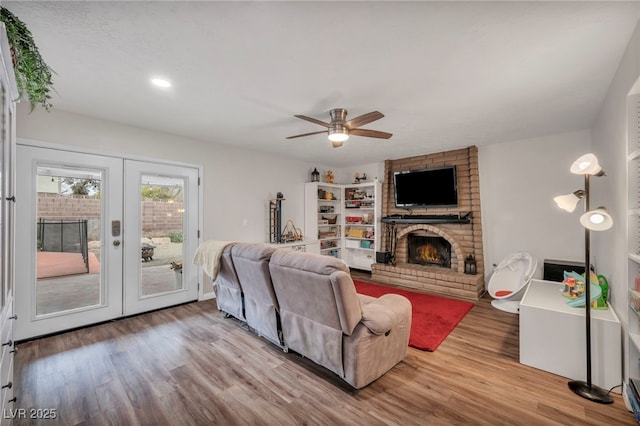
pixel 592 220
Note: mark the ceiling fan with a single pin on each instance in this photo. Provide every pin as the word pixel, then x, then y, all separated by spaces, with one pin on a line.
pixel 339 129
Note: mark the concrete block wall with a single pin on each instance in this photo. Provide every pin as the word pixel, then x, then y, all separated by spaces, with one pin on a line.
pixel 159 217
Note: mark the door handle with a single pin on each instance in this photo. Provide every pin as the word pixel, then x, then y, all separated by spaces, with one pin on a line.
pixel 116 243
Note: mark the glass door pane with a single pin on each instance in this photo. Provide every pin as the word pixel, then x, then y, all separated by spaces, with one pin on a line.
pixel 68 238
pixel 162 219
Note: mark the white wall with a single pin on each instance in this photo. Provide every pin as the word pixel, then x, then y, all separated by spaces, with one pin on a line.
pixel 237 183
pixel 609 145
pixel 372 170
pixel 518 181
pixel 344 175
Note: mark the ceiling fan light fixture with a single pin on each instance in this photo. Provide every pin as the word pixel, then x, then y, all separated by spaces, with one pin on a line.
pixel 338 134
pixel 339 129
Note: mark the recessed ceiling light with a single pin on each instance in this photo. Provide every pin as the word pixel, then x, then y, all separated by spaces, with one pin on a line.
pixel 160 82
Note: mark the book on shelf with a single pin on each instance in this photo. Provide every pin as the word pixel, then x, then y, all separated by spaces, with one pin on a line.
pixel 635 386
pixel 634 400
pixel 634 404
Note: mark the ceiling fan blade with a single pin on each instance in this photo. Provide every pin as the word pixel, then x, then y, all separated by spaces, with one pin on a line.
pixel 306 134
pixel 313 120
pixel 363 119
pixel 370 133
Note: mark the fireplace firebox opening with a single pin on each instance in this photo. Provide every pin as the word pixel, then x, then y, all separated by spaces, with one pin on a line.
pixel 429 251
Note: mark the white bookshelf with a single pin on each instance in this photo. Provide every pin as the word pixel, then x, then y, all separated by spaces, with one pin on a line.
pixel 323 216
pixel 633 239
pixel 355 209
pixel 361 221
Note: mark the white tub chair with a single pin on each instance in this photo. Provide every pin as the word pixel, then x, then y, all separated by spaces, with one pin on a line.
pixel 509 281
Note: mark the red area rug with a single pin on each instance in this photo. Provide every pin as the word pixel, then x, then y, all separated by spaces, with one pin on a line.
pixel 432 319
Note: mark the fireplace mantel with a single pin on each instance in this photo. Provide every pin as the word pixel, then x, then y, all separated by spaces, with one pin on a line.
pixel 427 218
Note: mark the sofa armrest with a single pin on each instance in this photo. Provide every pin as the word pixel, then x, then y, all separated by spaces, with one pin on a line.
pixel 383 313
pixel 364 299
pixel 397 303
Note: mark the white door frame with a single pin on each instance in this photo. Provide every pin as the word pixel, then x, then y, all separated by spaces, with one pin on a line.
pixel 23 264
pixel 29 324
pixel 134 301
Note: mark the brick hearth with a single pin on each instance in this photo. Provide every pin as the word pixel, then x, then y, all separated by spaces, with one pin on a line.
pixel 465 239
pixel 430 279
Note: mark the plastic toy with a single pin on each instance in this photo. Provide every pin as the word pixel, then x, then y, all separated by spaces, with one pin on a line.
pixel 601 302
pixel 576 293
pixel 573 285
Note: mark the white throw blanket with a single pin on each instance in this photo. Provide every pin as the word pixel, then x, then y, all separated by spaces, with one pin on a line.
pixel 208 255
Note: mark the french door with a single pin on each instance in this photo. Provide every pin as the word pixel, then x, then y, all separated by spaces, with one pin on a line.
pixel 157 201
pixel 100 237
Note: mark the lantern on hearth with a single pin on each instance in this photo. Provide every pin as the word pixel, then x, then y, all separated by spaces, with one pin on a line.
pixel 470 265
pixel 315 175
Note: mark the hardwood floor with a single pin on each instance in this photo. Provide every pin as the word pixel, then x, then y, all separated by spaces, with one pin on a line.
pixel 188 365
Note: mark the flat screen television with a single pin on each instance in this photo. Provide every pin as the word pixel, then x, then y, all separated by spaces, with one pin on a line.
pixel 436 187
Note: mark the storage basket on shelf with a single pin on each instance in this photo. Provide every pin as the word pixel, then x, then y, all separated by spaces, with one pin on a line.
pixel 352 244
pixel 329 233
pixel 328 244
pixel 331 219
pixel 355 233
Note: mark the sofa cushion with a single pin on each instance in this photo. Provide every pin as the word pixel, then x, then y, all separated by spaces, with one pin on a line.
pixel 260 303
pixel 322 265
pixel 255 252
pixel 227 286
pixel 317 287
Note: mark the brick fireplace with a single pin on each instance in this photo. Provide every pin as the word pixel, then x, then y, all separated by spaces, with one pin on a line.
pixel 419 249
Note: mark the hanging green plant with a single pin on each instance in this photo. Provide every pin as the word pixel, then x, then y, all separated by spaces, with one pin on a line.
pixel 33 75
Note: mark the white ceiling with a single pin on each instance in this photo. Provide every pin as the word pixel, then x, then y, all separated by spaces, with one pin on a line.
pixel 445 74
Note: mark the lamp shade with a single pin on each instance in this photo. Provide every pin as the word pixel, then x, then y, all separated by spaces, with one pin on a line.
pixel 597 220
pixel 570 201
pixel 587 165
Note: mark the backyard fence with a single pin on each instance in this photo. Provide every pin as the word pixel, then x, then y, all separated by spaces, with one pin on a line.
pixel 159 217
